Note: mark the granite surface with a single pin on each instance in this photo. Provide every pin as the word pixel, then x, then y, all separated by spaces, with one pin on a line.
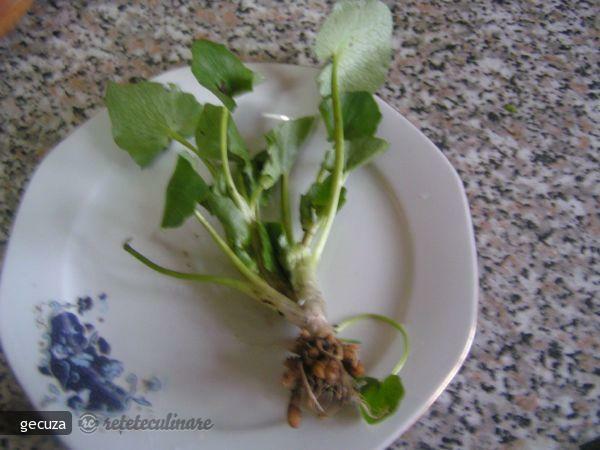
pixel 507 91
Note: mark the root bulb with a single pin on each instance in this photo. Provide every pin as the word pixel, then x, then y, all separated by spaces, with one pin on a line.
pixel 294 413
pixel 320 375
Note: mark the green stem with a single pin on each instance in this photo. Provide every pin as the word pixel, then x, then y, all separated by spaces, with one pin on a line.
pixel 268 295
pixel 241 286
pixel 238 263
pixel 286 214
pixel 310 233
pixel 338 169
pixel 398 326
pixel 183 141
pixel 235 195
pixel 322 172
pixel 242 185
pixel 255 198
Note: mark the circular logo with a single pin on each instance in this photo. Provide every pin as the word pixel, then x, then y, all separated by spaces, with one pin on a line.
pixel 88 422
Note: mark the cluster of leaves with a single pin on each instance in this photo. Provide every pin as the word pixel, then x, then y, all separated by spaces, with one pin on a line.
pixel 147 116
pixel 354 45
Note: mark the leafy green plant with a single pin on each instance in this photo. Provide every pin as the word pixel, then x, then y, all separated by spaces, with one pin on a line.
pixel 277 268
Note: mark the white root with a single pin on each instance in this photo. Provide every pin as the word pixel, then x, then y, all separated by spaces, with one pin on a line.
pixel 309 390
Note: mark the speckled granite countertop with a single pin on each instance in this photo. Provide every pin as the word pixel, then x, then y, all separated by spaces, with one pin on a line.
pixel 506 90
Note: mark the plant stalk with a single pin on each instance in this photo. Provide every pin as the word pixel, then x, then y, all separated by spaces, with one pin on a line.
pixel 241 286
pixel 235 195
pixel 338 169
pixel 183 141
pixel 286 214
pixel 310 299
pixel 254 206
pixel 269 296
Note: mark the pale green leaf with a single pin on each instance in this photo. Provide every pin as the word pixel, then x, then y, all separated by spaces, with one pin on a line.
pixel 358 34
pixel 145 115
pixel 283 143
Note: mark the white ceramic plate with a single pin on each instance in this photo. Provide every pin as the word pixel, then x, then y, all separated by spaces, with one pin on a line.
pixel 402 246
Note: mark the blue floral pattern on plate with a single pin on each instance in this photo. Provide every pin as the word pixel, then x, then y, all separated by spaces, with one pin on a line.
pixel 79 360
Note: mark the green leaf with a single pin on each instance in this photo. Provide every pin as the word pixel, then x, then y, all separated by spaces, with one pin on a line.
pixel 281 251
pixel 381 398
pixel 362 150
pixel 266 250
pixel 221 72
pixel 358 34
pixel 246 258
pixel 257 164
pixel 308 214
pixel 234 223
pixel 360 114
pixel 245 178
pixel 185 190
pixel 278 242
pixel 313 204
pixel 208 135
pixel 283 143
pixel 328 160
pixel 145 115
pixel 321 192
